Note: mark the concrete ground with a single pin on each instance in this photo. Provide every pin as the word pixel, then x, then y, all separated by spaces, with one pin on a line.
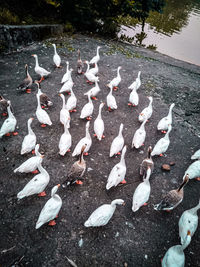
pixel 129 239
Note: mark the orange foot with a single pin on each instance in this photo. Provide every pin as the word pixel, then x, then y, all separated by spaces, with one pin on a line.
pixel 42 79
pixel 103 136
pixel 94 98
pixel 43 125
pixel 115 88
pixel 15 133
pixel 198 178
pixel 33 151
pixel 118 153
pixel 123 182
pixel 88 118
pixel 52 223
pixel 4 113
pixel 73 110
pixel 163 132
pixel 79 182
pixel 85 154
pixel 109 109
pixel 8 134
pixel 69 150
pixel 145 204
pixel 43 106
pixel 161 155
pixel 28 91
pixel 57 216
pixel 168 210
pixel 35 171
pixel 94 135
pixel 42 194
pixel 69 93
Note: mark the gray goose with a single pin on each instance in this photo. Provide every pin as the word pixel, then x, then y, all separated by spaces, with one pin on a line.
pixel 44 99
pixel 79 63
pixel 147 163
pixel 27 82
pixel 3 106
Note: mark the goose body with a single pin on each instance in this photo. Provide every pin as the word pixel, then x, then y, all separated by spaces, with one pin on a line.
pixel 71 101
pixel 36 185
pixel 65 140
pixel 67 86
pixel 175 257
pixel 139 136
pixel 117 143
pixel 39 70
pixel 79 63
pixel 91 77
pixel 32 163
pixel 118 172
pixel 147 164
pixel 27 82
pixel 41 114
pixel 87 109
pixel 99 124
pixel 50 209
pixel 134 98
pixel 29 140
pixel 67 75
pixel 136 84
pixel 193 170
pixel 164 123
pixel 87 140
pixel 111 101
pixel 96 58
pixel 102 215
pixel 115 82
pixel 196 155
pixel 44 99
pixel 173 198
pixel 188 222
pixel 64 112
pixel 9 124
pixel 142 193
pixel 56 57
pixel 146 112
pixel 94 70
pixel 162 145
pixel 94 90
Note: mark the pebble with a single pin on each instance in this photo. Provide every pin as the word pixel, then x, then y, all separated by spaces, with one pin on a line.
pixel 165 167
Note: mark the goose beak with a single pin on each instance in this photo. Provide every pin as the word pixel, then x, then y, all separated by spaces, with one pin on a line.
pixel 42 156
pixel 58 185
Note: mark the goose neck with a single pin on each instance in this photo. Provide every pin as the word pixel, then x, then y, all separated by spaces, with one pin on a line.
pixel 38 102
pixel 30 131
pixel 36 61
pixel 10 114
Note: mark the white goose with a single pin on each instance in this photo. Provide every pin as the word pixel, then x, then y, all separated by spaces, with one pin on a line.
pixel 64 112
pixel 65 140
pixel 118 172
pixel 96 58
pixel 133 98
pixel 66 76
pixel 142 192
pixel 93 92
pixel 71 102
pixel 87 109
pixel 31 164
pixel 196 155
pixel 115 82
pixel 117 143
pixel 94 70
pixel 137 83
pixel 146 112
pixel 56 57
pixel 102 215
pixel 41 114
pixel 36 185
pixel 39 70
pixel 175 255
pixel 67 86
pixel 188 222
pixel 193 170
pixel 87 140
pixel 9 124
pixel 29 141
pixel 164 123
pixel 139 136
pixel 99 124
pixel 91 77
pixel 162 145
pixel 50 209
pixel 111 101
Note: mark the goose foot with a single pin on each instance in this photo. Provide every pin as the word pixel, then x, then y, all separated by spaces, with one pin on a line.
pixel 43 125
pixel 69 93
pixel 88 118
pixel 15 133
pixel 4 114
pixel 35 171
pixel 115 88
pixel 42 79
pixel 164 132
pixel 33 151
pixel 79 182
pixel 73 110
pixel 28 91
pixel 123 182
pixel 42 106
pixel 198 178
pixel 94 135
pixel 103 136
pixel 161 155
pixel 69 150
pixel 8 134
pixel 109 109
pixel 52 223
pixel 168 210
pixel 57 216
pixel 94 98
pixel 145 204
pixel 130 104
pixel 85 154
pixel 42 194
pixel 118 153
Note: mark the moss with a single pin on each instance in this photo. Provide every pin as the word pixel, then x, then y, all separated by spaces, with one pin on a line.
pixel 6 17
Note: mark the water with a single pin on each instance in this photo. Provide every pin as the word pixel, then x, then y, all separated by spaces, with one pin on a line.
pixel 175 32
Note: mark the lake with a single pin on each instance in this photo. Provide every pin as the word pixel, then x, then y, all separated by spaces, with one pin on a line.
pixel 175 32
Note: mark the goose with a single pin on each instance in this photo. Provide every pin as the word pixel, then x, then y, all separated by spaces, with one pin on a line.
pixel 42 115
pixel 115 82
pixel 44 99
pixel 137 83
pixel 102 215
pixel 36 185
pixel 146 112
pixel 196 155
pixel 96 58
pixel 142 192
pixel 164 123
pixel 94 70
pixel 79 63
pixel 118 172
pixel 162 145
pixel 31 164
pixel 111 101
pixel 39 70
pixel 94 91
pixel 87 109
pixel 188 222
pixel 173 198
pixel 99 124
pixel 193 170
pixel 64 113
pixel 3 106
pixel 139 136
pixel 133 98
pixel 77 170
pixel 65 139
pixel 67 86
pixel 147 164
pixel 71 102
pixel 51 209
pixel 175 255
pixel 91 77
pixel 9 124
pixel 87 140
pixel 66 76
pixel 56 57
pixel 27 82
pixel 29 140
pixel 117 143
